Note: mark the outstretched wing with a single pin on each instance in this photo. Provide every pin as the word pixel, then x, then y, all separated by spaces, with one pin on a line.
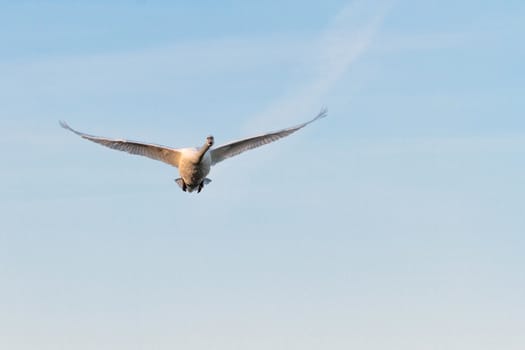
pixel 164 154
pixel 236 147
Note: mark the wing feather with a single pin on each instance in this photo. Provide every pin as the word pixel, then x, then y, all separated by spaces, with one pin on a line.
pixel 237 147
pixel 164 154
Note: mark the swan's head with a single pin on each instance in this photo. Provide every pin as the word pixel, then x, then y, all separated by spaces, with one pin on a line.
pixel 209 140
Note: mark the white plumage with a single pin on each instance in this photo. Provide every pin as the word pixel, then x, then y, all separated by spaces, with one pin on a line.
pixel 193 163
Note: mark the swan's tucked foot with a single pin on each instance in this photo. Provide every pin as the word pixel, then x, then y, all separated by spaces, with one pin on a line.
pixel 201 185
pixel 181 184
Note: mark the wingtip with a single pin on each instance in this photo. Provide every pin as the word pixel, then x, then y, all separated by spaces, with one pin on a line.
pixel 63 124
pixel 66 126
pixel 322 113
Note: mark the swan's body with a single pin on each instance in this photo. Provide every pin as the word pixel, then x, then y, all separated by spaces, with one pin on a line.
pixel 194 163
pixel 192 170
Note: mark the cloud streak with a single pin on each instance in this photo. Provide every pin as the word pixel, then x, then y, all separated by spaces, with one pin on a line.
pixel 325 61
pixel 345 40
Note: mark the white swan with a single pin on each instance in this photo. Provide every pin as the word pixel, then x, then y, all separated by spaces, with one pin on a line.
pixel 193 163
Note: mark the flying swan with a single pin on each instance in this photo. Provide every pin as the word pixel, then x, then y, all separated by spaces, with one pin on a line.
pixel 193 163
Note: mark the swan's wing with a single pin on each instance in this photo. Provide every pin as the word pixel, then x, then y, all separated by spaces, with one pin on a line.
pixel 164 154
pixel 236 147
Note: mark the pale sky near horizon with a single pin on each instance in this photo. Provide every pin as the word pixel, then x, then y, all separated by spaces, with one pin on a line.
pixel 397 222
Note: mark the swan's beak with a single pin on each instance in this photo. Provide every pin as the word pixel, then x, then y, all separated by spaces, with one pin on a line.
pixel 210 140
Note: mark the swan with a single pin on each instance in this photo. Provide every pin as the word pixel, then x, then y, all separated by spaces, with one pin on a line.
pixel 193 163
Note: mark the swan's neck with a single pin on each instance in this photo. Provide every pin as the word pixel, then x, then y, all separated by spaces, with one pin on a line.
pixel 202 151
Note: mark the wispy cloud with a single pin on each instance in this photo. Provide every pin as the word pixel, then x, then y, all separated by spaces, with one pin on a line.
pixel 419 42
pixel 346 39
pixel 329 56
pixel 137 69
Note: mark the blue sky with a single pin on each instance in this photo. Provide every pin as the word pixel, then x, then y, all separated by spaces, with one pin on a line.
pixel 397 222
